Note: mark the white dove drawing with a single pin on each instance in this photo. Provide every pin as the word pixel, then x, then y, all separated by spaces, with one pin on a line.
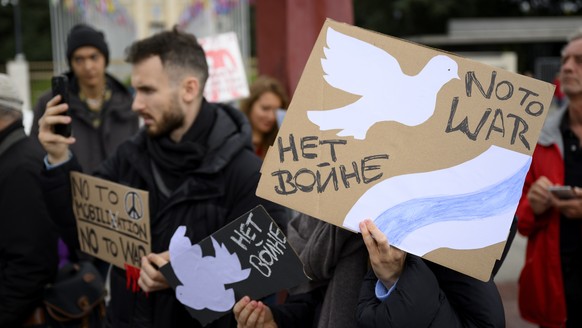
pixel 203 277
pixel 387 94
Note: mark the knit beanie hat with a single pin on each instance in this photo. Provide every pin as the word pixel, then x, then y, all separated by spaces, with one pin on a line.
pixel 82 35
pixel 9 96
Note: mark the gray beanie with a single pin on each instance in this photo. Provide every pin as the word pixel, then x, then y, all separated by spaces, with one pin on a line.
pixel 82 35
pixel 9 96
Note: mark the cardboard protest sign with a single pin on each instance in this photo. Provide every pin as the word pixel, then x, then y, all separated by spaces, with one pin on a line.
pixel 113 221
pixel 250 256
pixel 432 147
pixel 227 80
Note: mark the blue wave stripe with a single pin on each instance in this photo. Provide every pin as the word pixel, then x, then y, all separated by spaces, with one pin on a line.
pixel 399 221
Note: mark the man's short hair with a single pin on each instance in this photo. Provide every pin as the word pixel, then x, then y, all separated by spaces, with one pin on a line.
pixel 179 52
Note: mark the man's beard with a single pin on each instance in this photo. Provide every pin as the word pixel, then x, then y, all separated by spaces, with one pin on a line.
pixel 170 120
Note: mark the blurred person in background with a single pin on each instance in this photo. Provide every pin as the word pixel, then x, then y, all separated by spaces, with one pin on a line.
pixel 28 240
pixel 550 285
pixel 99 104
pixel 267 97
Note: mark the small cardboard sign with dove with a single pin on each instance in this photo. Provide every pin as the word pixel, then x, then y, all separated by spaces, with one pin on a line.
pixel 434 148
pixel 250 256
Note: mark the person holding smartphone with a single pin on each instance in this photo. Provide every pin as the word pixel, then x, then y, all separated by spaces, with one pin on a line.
pixel 99 105
pixel 550 209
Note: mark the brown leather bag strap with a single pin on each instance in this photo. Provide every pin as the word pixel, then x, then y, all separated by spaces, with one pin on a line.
pixel 62 316
pixel 57 315
pixel 36 318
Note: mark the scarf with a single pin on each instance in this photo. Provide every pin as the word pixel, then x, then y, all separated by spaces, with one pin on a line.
pixel 174 161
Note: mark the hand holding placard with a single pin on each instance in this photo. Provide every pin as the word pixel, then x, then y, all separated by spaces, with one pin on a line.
pixel 113 220
pixel 250 256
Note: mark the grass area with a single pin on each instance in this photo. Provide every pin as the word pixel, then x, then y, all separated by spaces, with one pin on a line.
pixel 37 88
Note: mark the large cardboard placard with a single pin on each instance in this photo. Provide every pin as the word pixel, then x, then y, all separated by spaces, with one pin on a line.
pixel 250 256
pixel 113 220
pixel 431 146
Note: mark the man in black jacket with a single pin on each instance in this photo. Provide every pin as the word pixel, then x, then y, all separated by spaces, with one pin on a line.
pixel 28 239
pixel 194 158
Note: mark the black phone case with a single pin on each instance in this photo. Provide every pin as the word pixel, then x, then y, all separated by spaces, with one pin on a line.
pixel 60 86
pixel 563 193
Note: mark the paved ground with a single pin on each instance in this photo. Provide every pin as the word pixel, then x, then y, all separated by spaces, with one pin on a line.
pixel 506 280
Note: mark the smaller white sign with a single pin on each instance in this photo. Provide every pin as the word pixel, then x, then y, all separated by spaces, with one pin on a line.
pixel 227 80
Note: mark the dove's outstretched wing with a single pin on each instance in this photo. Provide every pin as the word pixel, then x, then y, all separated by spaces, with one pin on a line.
pixel 184 256
pixel 204 286
pixel 179 244
pixel 227 266
pixel 373 68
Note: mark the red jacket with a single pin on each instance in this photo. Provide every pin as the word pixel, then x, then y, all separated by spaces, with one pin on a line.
pixel 541 291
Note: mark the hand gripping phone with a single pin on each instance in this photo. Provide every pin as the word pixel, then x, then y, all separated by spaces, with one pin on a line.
pixel 60 86
pixel 562 192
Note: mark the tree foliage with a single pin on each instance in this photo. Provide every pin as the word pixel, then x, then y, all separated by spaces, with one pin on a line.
pixel 36 30
pixel 394 17
pixel 413 17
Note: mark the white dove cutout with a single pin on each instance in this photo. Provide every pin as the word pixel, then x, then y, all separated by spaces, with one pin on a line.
pixel 203 277
pixel 387 94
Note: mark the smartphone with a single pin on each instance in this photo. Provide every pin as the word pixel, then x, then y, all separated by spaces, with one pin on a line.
pixel 562 192
pixel 60 86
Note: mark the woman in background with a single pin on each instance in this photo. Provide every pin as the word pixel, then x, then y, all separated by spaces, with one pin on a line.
pixel 267 96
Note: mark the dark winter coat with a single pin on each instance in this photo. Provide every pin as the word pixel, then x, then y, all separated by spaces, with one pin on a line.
pixel 221 189
pixel 430 295
pixel 94 145
pixel 336 260
pixel 28 239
